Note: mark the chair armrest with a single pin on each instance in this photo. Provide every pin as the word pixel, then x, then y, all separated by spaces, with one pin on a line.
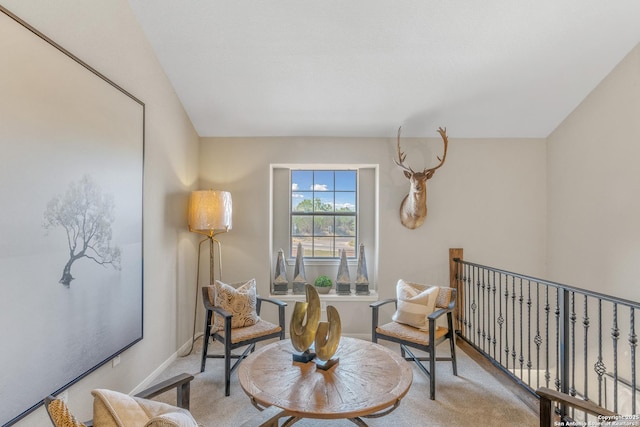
pixel 281 305
pixel 272 301
pixel 180 382
pixel 375 306
pixel 378 304
pixel 438 313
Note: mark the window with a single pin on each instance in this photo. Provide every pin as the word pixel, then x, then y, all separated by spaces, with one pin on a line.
pixel 323 213
pixel 326 207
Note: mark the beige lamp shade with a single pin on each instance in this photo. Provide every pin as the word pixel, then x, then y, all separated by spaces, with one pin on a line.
pixel 209 211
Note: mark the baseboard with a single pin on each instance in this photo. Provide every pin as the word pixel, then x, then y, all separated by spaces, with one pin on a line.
pixel 153 375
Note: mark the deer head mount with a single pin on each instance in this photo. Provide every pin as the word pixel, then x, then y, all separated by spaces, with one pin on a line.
pixel 413 210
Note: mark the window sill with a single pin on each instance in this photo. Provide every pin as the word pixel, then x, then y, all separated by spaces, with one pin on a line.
pixel 331 296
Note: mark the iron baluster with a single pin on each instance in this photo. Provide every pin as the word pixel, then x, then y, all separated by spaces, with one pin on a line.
pixel 484 315
pixel 500 318
pixel 599 366
pixel 521 358
pixel 468 294
pixel 506 315
pixel 476 279
pixel 572 319
pixel 529 363
pixel 513 321
pixel 558 348
pixel 585 323
pixel 633 342
pixel 615 334
pixel 494 341
pixel 547 309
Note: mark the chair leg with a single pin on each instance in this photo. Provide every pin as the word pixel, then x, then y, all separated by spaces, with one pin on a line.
pixel 432 372
pixel 453 356
pixel 452 344
pixel 205 339
pixel 227 357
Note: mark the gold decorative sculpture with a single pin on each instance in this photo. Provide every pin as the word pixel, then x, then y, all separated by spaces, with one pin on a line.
pixel 327 339
pixel 324 335
pixel 303 333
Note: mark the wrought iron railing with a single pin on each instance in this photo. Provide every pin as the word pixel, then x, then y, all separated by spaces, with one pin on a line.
pixel 546 334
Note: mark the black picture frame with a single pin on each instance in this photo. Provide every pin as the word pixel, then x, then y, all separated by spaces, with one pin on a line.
pixel 71 251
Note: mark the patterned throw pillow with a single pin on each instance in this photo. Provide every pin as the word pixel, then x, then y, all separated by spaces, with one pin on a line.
pixel 415 303
pixel 240 301
pixel 60 415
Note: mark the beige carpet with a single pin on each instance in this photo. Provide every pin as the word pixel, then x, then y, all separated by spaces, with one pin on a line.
pixel 473 398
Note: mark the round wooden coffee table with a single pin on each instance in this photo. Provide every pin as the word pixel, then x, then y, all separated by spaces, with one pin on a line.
pixel 368 381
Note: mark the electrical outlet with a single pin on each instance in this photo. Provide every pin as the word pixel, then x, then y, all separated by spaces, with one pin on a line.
pixel 116 361
pixel 323 306
pixel 64 396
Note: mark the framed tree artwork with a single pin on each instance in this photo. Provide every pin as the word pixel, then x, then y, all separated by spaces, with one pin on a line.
pixel 71 180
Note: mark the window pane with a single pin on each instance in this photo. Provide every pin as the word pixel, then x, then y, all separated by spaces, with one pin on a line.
pixel 323 181
pixel 348 244
pixel 346 201
pixel 323 225
pixel 301 201
pixel 345 226
pixel 301 180
pixel 345 180
pixel 323 247
pixel 307 246
pixel 324 202
pixel 301 225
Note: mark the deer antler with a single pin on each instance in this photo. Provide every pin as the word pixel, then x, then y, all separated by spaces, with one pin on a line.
pixel 401 156
pixel 445 139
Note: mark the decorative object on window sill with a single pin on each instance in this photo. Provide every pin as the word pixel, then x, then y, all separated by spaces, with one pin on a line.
pixel 413 210
pixel 343 280
pixel 323 284
pixel 303 333
pixel 299 277
pixel 210 213
pixel 362 279
pixel 325 335
pixel 280 282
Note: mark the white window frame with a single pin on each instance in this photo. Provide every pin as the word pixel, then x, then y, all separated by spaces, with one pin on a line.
pixel 328 266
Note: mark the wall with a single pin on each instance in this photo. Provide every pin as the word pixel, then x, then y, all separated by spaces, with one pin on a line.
pixel 106 36
pixel 488 198
pixel 593 186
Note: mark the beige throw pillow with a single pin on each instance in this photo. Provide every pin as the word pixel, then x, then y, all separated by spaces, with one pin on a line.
pixel 415 303
pixel 240 301
pixel 114 409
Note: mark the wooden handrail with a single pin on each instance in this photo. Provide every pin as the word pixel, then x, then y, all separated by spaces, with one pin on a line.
pixel 548 396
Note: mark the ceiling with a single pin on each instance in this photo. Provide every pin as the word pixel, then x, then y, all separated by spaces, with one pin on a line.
pixel 361 68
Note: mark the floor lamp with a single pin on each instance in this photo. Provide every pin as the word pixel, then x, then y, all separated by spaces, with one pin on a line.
pixel 209 215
